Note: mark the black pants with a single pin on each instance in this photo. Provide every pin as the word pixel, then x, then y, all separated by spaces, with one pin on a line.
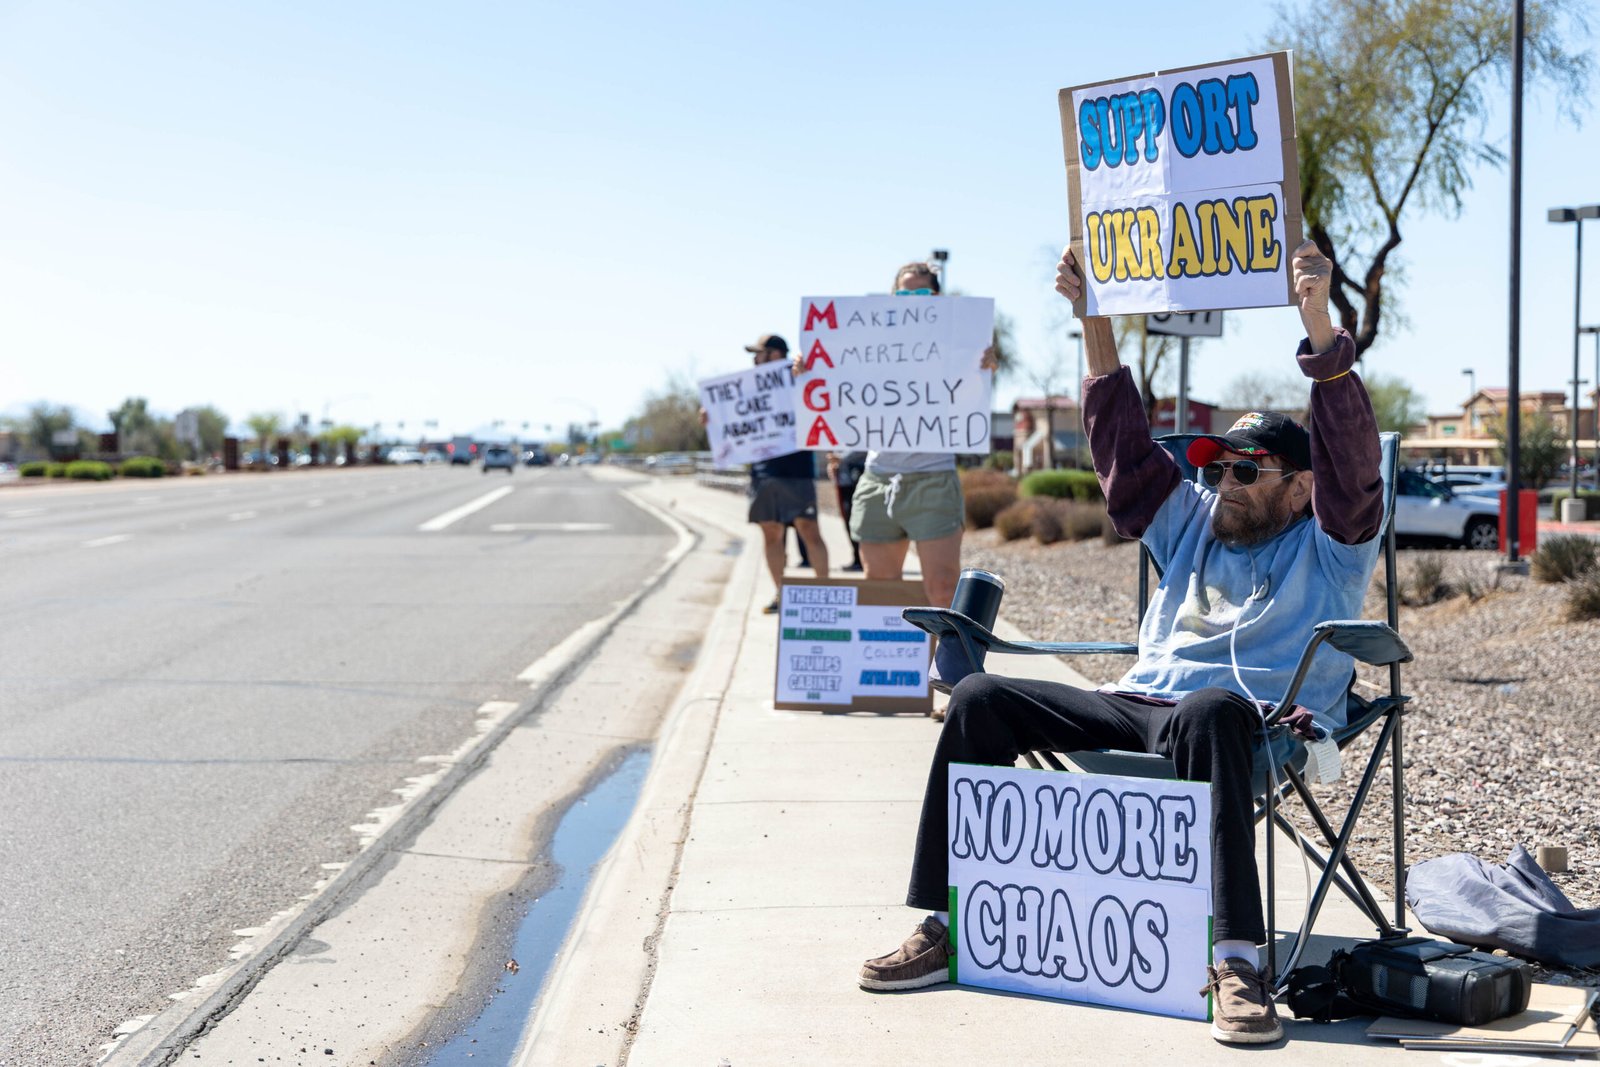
pixel 1209 735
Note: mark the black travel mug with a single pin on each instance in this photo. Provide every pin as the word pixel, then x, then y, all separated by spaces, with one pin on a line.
pixel 978 594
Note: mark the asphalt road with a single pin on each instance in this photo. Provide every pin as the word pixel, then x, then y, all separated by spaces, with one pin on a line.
pixel 206 682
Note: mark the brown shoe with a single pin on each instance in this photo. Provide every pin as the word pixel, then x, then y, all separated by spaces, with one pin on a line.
pixel 1243 1012
pixel 923 960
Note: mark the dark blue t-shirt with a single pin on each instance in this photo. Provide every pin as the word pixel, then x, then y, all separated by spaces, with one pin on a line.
pixel 793 465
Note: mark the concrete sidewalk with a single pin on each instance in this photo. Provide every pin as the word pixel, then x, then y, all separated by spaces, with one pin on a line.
pixel 791 836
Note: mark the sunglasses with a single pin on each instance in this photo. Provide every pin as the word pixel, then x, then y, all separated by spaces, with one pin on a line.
pixel 1245 472
pixel 913 292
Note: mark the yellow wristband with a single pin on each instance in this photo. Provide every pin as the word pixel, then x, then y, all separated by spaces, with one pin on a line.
pixel 1335 378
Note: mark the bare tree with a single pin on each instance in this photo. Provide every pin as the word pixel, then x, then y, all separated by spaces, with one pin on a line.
pixel 1391 99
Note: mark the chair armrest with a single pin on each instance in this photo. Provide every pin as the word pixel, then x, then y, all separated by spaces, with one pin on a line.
pixel 943 622
pixel 1367 640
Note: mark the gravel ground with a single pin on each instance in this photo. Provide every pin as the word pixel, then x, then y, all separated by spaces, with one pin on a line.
pixel 1502 738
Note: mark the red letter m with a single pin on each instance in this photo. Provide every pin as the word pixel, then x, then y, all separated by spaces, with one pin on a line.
pixel 827 314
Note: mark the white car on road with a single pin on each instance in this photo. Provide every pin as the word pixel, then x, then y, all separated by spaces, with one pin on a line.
pixel 1426 510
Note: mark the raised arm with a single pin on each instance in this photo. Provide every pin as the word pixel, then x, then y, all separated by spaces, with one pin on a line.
pixel 1136 474
pixel 1347 487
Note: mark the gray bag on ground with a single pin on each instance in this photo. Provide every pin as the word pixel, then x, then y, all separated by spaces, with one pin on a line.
pixel 1515 907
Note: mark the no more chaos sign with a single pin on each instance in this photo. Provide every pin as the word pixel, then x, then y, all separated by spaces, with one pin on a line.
pixel 1083 887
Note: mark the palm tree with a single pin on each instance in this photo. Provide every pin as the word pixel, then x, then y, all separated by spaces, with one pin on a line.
pixel 265 425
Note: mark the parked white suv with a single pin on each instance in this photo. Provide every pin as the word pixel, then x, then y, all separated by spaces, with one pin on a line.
pixel 1426 510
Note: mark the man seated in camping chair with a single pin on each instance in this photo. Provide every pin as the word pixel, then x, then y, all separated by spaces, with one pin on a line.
pixel 1280 533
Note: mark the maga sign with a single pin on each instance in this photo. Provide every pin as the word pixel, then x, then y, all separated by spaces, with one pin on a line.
pixel 749 414
pixel 1082 887
pixel 1184 187
pixel 894 373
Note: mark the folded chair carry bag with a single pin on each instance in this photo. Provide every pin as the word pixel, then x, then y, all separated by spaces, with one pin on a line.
pixel 1514 906
pixel 1415 978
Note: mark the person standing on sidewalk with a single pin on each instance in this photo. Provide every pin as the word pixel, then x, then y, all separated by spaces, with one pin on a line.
pixel 845 469
pixel 783 492
pixel 1281 535
pixel 906 497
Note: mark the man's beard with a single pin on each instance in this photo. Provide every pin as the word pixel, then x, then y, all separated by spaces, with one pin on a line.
pixel 1250 524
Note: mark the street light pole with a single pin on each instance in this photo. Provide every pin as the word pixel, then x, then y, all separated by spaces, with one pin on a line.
pixel 1595 423
pixel 1575 215
pixel 1514 309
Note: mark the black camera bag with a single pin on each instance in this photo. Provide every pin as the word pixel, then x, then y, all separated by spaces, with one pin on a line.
pixel 1414 978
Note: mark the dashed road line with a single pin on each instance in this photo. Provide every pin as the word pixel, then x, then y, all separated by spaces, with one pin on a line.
pixel 454 515
pixel 114 539
pixel 548 527
pixel 20 513
pixel 240 516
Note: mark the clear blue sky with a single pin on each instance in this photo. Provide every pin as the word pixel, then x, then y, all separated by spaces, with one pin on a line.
pixel 537 212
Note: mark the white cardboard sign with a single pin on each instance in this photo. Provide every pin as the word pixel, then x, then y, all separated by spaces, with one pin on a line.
pixel 749 414
pixel 894 373
pixel 1184 187
pixel 843 644
pixel 1082 887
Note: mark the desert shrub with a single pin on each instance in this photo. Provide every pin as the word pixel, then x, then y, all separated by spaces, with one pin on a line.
pixel 1083 522
pixel 1562 558
pixel 36 468
pixel 142 467
pixel 982 505
pixel 56 470
pixel 1583 596
pixel 1016 521
pixel 89 470
pixel 975 478
pixel 1063 485
pixel 1049 522
pixel 1066 520
pixel 1425 584
pixel 986 493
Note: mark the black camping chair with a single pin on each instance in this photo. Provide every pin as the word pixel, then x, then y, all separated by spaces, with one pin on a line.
pixel 1373 642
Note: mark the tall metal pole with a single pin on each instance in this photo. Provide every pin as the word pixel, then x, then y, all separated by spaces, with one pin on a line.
pixel 1594 424
pixel 1514 391
pixel 1577 299
pixel 1182 422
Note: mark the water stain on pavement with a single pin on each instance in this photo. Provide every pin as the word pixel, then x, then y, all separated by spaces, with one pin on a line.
pixel 581 840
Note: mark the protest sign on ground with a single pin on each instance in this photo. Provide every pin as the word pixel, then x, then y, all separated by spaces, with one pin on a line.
pixel 1085 887
pixel 894 373
pixel 1184 187
pixel 749 414
pixel 842 645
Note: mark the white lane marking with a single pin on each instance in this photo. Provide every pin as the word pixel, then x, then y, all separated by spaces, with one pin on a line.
pixel 114 539
pixel 21 512
pixel 555 527
pixel 240 516
pixel 145 499
pixel 547 666
pixel 317 503
pixel 439 522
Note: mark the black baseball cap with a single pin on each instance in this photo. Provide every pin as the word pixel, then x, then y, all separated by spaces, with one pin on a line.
pixel 766 341
pixel 1257 433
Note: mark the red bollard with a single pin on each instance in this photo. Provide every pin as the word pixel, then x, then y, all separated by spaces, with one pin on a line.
pixel 1527 520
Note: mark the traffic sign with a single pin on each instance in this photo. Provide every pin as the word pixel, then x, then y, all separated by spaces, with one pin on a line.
pixel 1185 324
